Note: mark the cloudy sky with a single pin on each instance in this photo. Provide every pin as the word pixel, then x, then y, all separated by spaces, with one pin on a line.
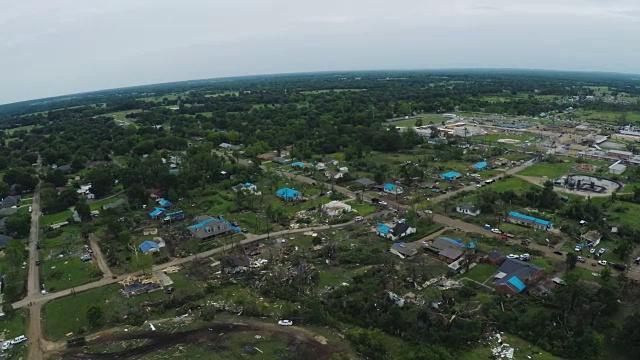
pixel 55 47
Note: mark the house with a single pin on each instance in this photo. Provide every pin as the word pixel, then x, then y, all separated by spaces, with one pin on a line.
pixel 593 237
pixel 451 175
pixel 320 166
pixel 64 168
pixel 236 264
pixel 526 220
pixel 343 169
pixel 495 257
pixel 299 164
pixel 165 203
pixel 174 216
pixel 288 194
pixel 392 189
pixel 149 247
pixel 85 191
pixel 230 147
pixel 330 161
pixel 3 224
pixel 333 174
pixel 335 208
pixel 8 212
pixel 268 156
pixel 442 243
pixel 365 182
pixel 396 232
pixel 149 231
pixel 480 166
pixel 158 213
pixel 402 250
pixel 93 164
pixel 246 188
pixel 514 275
pixel 281 160
pixel 4 240
pixel 115 205
pixel 450 255
pixel 208 227
pixel 468 209
pixel 12 200
pixel 617 168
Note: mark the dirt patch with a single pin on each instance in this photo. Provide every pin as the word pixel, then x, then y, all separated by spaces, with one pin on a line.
pixel 210 337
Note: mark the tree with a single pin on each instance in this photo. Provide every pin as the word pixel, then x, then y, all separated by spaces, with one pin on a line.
pixel 95 316
pixel 83 209
pixel 605 274
pixel 571 260
pixel 18 225
pixel 629 335
pixel 137 195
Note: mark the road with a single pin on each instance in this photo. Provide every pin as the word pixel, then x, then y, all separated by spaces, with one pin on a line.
pixel 98 257
pixel 34 333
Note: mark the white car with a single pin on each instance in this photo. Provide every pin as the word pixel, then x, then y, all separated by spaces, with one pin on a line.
pixel 592 251
pixel 602 262
pixel 30 208
pixel 496 231
pixel 513 256
pixel 285 322
pixel 577 248
pixel 602 251
pixel 525 257
pixel 358 218
pixel 581 259
pixel 6 345
pixel 428 212
pixel 19 339
pixel 382 203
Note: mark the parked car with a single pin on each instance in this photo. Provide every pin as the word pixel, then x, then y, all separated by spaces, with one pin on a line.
pixel 170 290
pixel 496 231
pixel 602 262
pixel 85 257
pixel 577 248
pixel 558 252
pixel 525 257
pixel 512 256
pixel 382 203
pixel 592 251
pixel 19 339
pixel 602 251
pixel 581 259
pixel 285 322
pixel 358 218
pixel 6 345
pixel 619 267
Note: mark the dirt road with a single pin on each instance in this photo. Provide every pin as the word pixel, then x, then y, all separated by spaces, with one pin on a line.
pixel 33 280
pixel 98 257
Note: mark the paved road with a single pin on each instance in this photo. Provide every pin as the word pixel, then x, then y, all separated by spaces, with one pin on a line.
pixel 98 257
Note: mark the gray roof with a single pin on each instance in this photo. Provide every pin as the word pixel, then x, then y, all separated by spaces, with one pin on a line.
pixel 209 226
pixel 441 244
pixel 4 239
pixel 8 211
pixel 451 253
pixel 10 201
pixel 66 167
pixel 523 270
pixel 406 251
pixel 469 207
pixel 495 255
pixel 365 182
pixel 115 204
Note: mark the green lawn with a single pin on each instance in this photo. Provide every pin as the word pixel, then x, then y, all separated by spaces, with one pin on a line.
pixel 481 272
pixel 12 327
pixel 551 171
pixel 59 274
pixel 120 115
pixel 56 218
pixel 518 185
pixel 362 208
pixel 21 128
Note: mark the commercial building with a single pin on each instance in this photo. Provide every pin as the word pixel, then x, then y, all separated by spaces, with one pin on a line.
pixel 526 220
pixel 617 168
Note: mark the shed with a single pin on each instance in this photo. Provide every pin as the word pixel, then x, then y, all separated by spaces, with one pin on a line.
pixel 451 175
pixel 149 247
pixel 480 166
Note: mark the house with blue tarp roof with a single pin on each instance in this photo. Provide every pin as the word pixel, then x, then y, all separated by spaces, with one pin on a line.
pixel 299 164
pixel 246 188
pixel 451 175
pixel 514 275
pixel 395 232
pixel 480 166
pixel 149 246
pixel 208 227
pixel 288 194
pixel 158 213
pixel 174 216
pixel 165 203
pixel 526 220
pixel 393 189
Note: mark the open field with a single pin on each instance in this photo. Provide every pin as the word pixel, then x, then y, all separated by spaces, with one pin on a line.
pixel 515 184
pixel 426 119
pixel 14 326
pixel 610 117
pixel 160 98
pixel 21 128
pixel 311 92
pixel 523 349
pixel 481 272
pixel 120 115
pixel 56 218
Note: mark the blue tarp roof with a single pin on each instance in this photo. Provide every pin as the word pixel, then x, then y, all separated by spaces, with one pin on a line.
pixel 148 245
pixel 156 212
pixel 287 193
pixel 451 175
pixel 382 228
pixel 175 213
pixel 164 202
pixel 480 165
pixel 470 245
pixel 530 218
pixel 390 187
pixel 248 184
pixel 517 283
pixel 299 163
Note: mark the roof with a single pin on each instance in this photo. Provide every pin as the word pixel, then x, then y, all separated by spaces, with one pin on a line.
pixel 166 203
pixel 450 253
pixel 480 165
pixel 148 245
pixel 592 235
pixel 299 164
pixel 516 283
pixel 4 240
pixel 495 255
pixel 114 205
pixel 157 211
pixel 287 193
pixel 390 187
pixel 236 261
pixel 469 207
pixel 445 243
pixel 11 200
pixel 8 211
pixel 208 226
pixel 529 218
pixel 400 228
pixel 522 269
pixel 383 229
pixel 365 182
pixel 451 174
pixel 66 167
pixel 403 249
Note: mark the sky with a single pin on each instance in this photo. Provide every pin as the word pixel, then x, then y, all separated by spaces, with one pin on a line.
pixel 50 48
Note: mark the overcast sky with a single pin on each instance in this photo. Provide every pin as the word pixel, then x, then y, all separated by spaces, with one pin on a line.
pixel 56 47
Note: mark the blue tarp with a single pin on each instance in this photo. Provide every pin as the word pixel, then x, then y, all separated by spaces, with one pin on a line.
pixel 165 203
pixel 299 164
pixel 156 212
pixel 231 226
pixel 517 283
pixel 480 165
pixel 148 245
pixel 390 187
pixel 383 229
pixel 451 175
pixel 287 193
pixel 530 218
pixel 470 245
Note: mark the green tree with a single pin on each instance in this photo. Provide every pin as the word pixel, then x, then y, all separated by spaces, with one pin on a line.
pixel 18 225
pixel 95 316
pixel 629 335
pixel 83 209
pixel 571 260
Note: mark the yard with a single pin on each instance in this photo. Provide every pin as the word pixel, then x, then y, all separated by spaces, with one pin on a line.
pixel 98 204
pixel 481 272
pixel 12 327
pixel 523 349
pixel 515 184
pixel 56 218
pixel 63 273
pixel 551 171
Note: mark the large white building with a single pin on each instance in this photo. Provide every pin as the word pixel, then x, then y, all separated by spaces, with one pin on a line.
pixel 617 168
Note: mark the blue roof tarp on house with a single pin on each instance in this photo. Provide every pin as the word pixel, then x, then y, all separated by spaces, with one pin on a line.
pixel 390 187
pixel 458 242
pixel 287 193
pixel 517 283
pixel 148 245
pixel 165 203
pixel 383 229
pixel 451 175
pixel 299 164
pixel 480 165
pixel 156 212
pixel 248 184
pixel 530 218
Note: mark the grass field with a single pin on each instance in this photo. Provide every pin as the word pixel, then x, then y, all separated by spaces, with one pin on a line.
pixel 481 272
pixel 160 98
pixel 518 185
pixel 426 119
pixel 12 327
pixel 21 128
pixel 312 92
pixel 611 117
pixel 97 205
pixel 56 218
pixel 363 208
pixel 59 274
pixel 120 115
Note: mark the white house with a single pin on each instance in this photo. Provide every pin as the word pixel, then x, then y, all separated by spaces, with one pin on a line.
pixel 333 175
pixel 85 190
pixel 320 166
pixel 343 169
pixel 396 232
pixel 617 168
pixel 248 188
pixel 468 209
pixel 335 208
